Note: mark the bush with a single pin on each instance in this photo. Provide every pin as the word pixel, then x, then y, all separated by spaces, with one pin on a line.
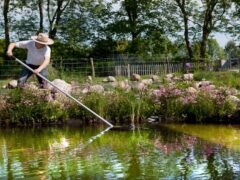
pixel 24 107
pixel 204 105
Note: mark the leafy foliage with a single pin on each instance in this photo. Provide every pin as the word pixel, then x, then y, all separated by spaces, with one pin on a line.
pixel 28 108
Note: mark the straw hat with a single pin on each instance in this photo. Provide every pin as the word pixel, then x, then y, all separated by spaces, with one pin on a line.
pixel 42 39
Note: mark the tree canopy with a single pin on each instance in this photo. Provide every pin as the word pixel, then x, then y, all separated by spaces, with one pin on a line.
pixel 155 28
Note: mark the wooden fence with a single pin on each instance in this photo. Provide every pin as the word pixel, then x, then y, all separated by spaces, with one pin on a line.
pixel 147 69
pixel 112 68
pixel 157 68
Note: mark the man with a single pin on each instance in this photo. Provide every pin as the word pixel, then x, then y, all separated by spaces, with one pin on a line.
pixel 38 57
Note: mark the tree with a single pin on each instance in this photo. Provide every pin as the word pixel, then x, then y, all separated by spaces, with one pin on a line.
pixel 55 10
pixel 213 14
pixel 41 9
pixel 186 12
pixel 232 49
pixel 6 22
pixel 214 51
pixel 132 21
pixel 200 19
pixel 234 26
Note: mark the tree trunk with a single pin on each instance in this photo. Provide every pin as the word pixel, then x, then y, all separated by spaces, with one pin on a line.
pixel 6 25
pixel 182 4
pixel 207 27
pixel 132 13
pixel 40 6
pixel 203 46
pixel 54 21
pixel 186 35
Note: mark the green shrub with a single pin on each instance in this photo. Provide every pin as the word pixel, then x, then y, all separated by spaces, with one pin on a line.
pixel 229 79
pixel 202 109
pixel 25 107
pixel 117 106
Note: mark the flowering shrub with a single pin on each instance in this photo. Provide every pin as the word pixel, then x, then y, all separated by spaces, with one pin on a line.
pixel 194 104
pixel 24 108
pixel 175 101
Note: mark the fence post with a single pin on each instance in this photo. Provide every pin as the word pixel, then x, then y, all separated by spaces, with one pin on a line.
pixel 128 70
pixel 61 67
pixel 92 66
pixel 168 68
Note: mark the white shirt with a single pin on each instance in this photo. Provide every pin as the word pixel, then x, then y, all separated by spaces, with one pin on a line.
pixel 35 56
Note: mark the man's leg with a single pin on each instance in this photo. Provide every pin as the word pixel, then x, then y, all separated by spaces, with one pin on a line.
pixel 25 74
pixel 43 83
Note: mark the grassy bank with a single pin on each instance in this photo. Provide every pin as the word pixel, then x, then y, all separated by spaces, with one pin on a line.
pixel 175 101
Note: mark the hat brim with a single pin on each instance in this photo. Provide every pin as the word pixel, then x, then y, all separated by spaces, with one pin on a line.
pixel 49 42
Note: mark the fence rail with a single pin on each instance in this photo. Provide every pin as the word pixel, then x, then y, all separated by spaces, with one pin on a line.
pixel 85 67
pixel 147 69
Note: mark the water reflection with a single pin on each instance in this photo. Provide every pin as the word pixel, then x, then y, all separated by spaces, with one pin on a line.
pixel 69 153
pixel 228 136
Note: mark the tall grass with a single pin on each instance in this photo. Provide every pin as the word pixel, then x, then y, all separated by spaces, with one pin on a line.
pixel 226 78
pixel 118 106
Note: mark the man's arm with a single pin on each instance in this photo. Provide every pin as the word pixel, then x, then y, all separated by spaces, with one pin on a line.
pixel 11 46
pixel 43 65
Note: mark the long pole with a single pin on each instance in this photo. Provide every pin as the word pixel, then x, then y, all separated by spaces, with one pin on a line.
pixel 67 94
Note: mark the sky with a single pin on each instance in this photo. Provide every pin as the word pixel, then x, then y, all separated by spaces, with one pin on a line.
pixel 222 39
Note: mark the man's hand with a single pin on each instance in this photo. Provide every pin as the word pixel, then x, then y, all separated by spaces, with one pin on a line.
pixel 9 53
pixel 37 71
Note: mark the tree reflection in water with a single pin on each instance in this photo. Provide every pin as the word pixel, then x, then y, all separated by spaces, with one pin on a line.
pixel 54 153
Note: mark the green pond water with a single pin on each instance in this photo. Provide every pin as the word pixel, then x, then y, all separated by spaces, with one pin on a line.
pixel 162 152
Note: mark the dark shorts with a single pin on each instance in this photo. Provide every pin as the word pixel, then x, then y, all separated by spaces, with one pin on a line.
pixel 26 73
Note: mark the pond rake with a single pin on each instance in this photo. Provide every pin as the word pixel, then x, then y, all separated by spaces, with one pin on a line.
pixel 65 93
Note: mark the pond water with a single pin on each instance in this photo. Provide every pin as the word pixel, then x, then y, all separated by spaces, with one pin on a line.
pixel 162 152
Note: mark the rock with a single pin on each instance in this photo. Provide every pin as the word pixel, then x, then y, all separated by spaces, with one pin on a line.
pixel 111 79
pixel 141 86
pixel 211 86
pixel 169 76
pixel 135 85
pixel 12 84
pixel 175 78
pixel 154 78
pixel 114 84
pixel 188 77
pixel 191 90
pixel 198 84
pixel 74 84
pixel 89 79
pixel 95 88
pixel 135 77
pixel 151 120
pixel 168 79
pixel 233 99
pixel 61 98
pixel 124 85
pixel 147 81
pixel 85 90
pixel 233 91
pixel 205 83
pixel 31 87
pixel 64 86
